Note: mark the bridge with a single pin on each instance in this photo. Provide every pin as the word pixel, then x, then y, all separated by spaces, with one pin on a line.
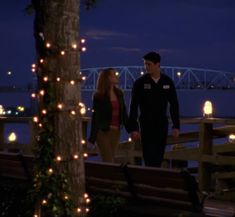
pixel 185 78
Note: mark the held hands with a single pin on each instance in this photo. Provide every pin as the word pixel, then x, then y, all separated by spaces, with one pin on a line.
pixel 90 146
pixel 135 135
pixel 175 132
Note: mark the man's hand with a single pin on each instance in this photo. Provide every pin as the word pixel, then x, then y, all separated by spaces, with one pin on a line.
pixel 90 145
pixel 135 135
pixel 175 132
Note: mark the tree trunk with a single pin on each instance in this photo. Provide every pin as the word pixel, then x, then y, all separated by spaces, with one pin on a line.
pixel 57 23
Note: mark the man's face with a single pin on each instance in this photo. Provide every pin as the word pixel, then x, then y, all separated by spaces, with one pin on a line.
pixel 150 66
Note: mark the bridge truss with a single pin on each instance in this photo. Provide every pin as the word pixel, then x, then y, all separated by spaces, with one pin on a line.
pixel 184 78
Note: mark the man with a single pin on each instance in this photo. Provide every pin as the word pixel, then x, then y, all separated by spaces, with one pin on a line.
pixel 151 95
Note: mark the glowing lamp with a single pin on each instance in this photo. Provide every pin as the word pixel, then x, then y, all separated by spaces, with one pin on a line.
pixel 12 137
pixel 207 109
pixel 231 138
pixel 2 112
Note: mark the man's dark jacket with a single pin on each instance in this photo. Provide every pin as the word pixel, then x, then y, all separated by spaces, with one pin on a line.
pixel 153 99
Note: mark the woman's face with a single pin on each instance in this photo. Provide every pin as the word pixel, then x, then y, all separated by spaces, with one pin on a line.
pixel 113 78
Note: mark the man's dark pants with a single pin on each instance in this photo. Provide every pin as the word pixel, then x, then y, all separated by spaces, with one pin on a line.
pixel 153 139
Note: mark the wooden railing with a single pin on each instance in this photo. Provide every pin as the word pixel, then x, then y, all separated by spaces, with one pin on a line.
pixel 211 157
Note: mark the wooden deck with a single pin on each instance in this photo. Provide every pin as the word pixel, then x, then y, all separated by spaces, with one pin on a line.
pixel 216 160
pixel 19 167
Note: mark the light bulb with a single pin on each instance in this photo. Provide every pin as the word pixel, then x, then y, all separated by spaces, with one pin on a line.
pixel 74 46
pixel 207 109
pixel 72 82
pixel 58 158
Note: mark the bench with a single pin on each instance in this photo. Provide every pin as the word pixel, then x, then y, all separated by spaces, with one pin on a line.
pixel 145 188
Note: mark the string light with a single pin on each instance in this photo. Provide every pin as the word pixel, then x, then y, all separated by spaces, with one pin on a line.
pixel 35 119
pixel 82 108
pixel 48 45
pixel 45 79
pixel 83 49
pixel 42 92
pixel 44 202
pixel 59 106
pixel 74 46
pixel 83 40
pixel 72 82
pixel 73 112
pixel 75 156
pixel 44 111
pixel 58 158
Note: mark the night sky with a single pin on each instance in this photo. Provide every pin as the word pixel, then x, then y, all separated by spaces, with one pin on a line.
pixel 191 33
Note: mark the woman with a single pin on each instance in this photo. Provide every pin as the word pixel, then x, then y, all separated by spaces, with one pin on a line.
pixel 109 114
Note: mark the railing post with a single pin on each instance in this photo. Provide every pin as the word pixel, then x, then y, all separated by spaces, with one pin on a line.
pixel 205 148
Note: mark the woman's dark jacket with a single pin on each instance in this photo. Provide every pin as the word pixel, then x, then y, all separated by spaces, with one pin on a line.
pixel 102 113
